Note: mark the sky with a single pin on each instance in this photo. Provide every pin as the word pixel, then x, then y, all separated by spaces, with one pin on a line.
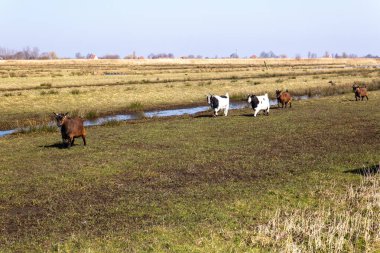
pixel 200 27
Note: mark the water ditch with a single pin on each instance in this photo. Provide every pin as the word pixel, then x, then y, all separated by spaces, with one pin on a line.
pixel 157 113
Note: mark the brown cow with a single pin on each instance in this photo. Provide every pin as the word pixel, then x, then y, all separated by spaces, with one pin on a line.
pixel 360 92
pixel 71 128
pixel 284 98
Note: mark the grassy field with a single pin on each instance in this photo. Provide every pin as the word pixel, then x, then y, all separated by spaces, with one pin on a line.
pixel 194 184
pixel 31 90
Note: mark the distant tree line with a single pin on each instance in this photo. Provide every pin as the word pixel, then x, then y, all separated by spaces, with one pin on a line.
pixel 29 53
pixel 26 54
pixel 161 56
pixel 191 56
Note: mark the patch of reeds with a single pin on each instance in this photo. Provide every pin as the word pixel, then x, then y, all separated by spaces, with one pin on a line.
pixel 92 115
pixel 46 85
pixel 11 94
pixel 33 126
pixel 202 84
pixel 135 107
pixel 349 224
pixel 279 80
pixel 50 92
pixel 238 96
pixel 75 92
pixel 113 122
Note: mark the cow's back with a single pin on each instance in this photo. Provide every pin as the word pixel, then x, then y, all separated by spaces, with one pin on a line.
pixel 73 127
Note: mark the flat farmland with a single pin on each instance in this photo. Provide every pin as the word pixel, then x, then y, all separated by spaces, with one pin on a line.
pixel 31 90
pixel 293 180
pixel 303 179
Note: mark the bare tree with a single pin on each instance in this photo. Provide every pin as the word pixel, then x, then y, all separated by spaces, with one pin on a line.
pixel 79 56
pixel 35 53
pixel 110 56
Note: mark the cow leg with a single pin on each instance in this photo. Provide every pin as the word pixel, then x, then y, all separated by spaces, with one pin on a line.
pixel 254 115
pixel 72 142
pixel 225 111
pixel 268 111
pixel 84 139
pixel 290 104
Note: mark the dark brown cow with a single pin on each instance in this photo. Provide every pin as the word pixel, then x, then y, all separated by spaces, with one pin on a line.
pixel 283 98
pixel 360 92
pixel 71 128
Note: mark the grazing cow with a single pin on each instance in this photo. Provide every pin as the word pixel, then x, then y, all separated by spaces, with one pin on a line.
pixel 71 128
pixel 259 103
pixel 219 103
pixel 283 98
pixel 360 92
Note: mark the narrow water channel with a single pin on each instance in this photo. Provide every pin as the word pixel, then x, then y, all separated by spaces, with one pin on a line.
pixel 158 113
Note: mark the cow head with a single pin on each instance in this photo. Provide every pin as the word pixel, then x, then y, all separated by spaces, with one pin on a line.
pixel 209 98
pixel 278 93
pixel 60 118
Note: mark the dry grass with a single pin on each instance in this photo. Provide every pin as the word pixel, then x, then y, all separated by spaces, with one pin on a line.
pixel 351 223
pixel 82 85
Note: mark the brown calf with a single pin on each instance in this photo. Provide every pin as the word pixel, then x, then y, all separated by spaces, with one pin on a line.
pixel 284 98
pixel 360 92
pixel 71 128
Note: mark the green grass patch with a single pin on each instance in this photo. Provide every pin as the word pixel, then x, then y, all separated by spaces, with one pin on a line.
pixel 178 185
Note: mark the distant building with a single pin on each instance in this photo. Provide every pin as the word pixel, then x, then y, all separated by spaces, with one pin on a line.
pixel 92 57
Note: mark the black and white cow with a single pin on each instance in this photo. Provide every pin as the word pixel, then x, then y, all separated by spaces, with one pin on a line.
pixel 219 103
pixel 259 103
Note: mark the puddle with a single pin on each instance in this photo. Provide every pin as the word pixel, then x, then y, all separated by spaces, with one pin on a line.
pixel 161 113
pixel 7 132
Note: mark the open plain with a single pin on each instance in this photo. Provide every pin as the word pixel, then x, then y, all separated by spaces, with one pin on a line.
pixel 191 183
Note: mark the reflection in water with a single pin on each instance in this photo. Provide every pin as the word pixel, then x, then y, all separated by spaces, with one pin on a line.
pixel 159 113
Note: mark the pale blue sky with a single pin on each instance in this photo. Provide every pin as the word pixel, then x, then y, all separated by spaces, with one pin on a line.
pixel 205 27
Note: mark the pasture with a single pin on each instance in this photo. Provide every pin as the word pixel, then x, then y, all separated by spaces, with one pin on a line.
pixel 190 184
pixel 31 90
